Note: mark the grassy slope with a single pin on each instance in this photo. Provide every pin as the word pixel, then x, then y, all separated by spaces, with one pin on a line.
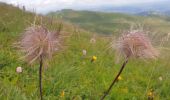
pixel 95 21
pixel 69 71
pixel 101 22
pixel 114 23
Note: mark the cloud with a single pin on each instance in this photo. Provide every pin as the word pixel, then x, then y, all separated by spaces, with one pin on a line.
pixel 43 6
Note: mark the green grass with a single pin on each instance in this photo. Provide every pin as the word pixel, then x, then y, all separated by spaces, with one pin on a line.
pixel 114 23
pixel 69 71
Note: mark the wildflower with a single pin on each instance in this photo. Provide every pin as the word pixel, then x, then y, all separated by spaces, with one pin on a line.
pixel 62 94
pixel 84 52
pixel 119 78
pixel 94 58
pixel 133 44
pixel 136 44
pixel 150 95
pixel 93 40
pixel 160 78
pixel 19 69
pixel 39 44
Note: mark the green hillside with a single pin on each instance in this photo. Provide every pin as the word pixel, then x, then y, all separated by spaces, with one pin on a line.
pixel 72 76
pixel 115 23
pixel 108 23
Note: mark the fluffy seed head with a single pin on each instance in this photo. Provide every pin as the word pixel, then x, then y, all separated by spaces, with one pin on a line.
pixel 38 42
pixel 136 44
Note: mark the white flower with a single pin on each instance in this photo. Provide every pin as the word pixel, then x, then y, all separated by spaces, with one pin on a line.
pixel 92 40
pixel 19 69
pixel 160 78
pixel 84 52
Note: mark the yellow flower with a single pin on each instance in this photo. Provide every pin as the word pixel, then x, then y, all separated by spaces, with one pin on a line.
pixel 119 78
pixel 93 58
pixel 62 94
pixel 150 95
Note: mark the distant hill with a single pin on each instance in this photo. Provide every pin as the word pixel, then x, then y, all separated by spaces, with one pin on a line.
pixel 159 6
pixel 154 13
pixel 99 22
pixel 108 23
pixel 115 23
pixel 150 13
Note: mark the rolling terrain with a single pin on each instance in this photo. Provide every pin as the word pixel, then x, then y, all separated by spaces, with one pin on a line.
pixel 103 22
pixel 72 76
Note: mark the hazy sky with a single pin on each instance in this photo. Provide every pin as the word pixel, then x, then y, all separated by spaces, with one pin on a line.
pixel 43 6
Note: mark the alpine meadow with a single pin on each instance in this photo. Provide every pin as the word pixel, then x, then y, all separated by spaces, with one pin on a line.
pixel 83 55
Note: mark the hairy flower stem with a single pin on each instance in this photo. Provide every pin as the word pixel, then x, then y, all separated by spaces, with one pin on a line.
pixel 40 77
pixel 107 92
